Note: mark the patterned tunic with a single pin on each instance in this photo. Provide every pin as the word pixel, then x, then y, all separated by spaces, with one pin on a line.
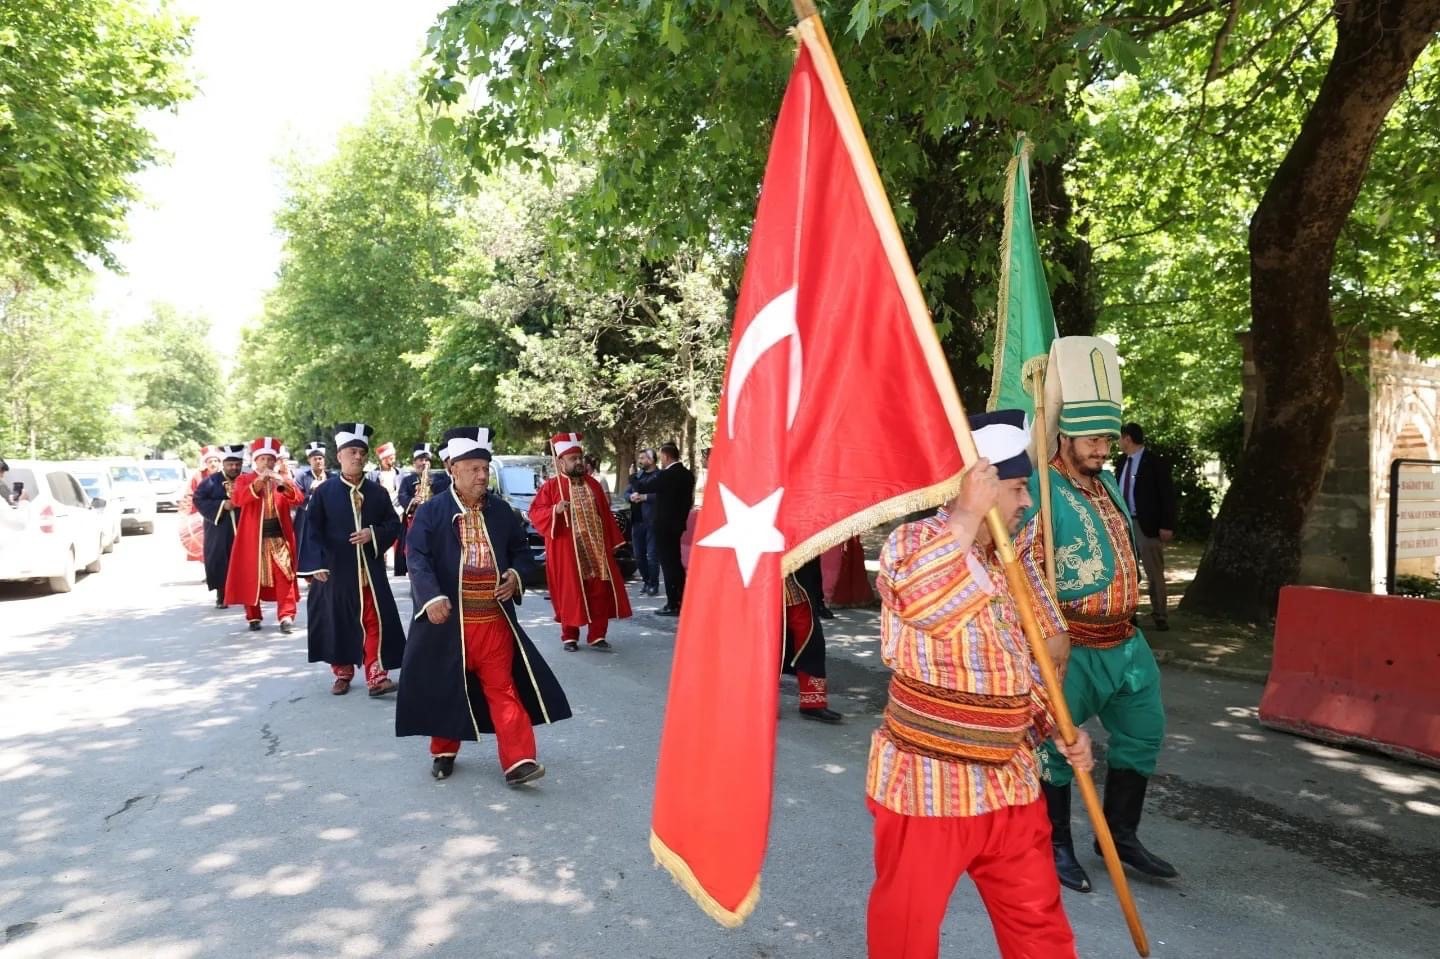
pixel 948 621
pixel 479 577
pixel 589 534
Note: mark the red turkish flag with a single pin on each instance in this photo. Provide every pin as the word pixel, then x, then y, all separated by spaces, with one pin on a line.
pixel 837 414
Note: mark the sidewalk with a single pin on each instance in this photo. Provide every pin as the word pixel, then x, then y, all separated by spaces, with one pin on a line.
pixel 1235 650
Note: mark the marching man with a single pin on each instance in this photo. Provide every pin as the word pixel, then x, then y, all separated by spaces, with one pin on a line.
pixel 416 488
pixel 388 476
pixel 312 476
pixel 953 780
pixel 469 668
pixel 1112 672
pixel 349 524
pixel 573 513
pixel 804 652
pixel 213 502
pixel 262 563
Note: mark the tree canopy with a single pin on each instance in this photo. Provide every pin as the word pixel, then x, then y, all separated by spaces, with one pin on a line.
pixel 1160 126
pixel 77 78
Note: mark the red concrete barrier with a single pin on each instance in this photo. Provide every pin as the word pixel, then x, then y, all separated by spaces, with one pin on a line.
pixel 1357 668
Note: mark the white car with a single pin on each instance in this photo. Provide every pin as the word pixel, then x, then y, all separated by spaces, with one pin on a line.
pixel 52 530
pixel 94 478
pixel 137 499
pixel 167 480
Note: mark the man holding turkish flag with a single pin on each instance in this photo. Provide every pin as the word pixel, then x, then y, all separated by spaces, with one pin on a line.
pixel 831 338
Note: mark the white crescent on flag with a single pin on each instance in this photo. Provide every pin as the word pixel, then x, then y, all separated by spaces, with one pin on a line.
pixel 774 323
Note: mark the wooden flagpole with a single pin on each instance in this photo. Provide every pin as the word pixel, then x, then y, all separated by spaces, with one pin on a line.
pixel 1042 464
pixel 812 33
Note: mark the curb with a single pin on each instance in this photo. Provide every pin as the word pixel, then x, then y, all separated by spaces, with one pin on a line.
pixel 1167 657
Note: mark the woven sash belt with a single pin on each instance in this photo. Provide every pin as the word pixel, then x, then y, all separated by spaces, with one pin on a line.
pixel 271 527
pixel 1100 632
pixel 477 595
pixel 949 725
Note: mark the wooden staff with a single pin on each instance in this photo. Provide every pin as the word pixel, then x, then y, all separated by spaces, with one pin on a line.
pixel 1042 463
pixel 812 33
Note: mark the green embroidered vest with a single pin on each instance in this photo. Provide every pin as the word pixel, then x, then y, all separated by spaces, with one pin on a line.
pixel 1084 555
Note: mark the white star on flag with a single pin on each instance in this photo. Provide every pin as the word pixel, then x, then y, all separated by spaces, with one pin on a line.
pixel 748 530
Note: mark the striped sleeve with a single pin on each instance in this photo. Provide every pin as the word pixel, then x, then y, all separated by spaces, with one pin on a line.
pixel 1029 546
pixel 926 580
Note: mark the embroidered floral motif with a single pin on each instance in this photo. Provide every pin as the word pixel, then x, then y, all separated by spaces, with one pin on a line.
pixel 1088 570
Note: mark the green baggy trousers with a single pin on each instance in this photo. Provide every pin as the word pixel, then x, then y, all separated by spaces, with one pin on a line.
pixel 1121 686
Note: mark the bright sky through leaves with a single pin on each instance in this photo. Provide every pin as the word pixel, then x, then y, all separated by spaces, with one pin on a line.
pixel 273 76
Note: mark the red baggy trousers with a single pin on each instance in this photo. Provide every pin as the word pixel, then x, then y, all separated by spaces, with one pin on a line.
pixel 919 859
pixel 375 674
pixel 600 602
pixel 490 654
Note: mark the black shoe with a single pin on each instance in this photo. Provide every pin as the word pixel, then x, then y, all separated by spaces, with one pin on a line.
pixel 1162 626
pixel 442 767
pixel 254 625
pixel 526 772
pixel 570 645
pixel 1067 866
pixel 219 602
pixel 823 715
pixel 1124 801
pixel 667 611
pixel 286 626
pixel 824 613
pixel 602 645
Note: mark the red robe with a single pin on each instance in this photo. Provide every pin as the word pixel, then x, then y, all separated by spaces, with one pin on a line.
pixel 242 582
pixel 562 559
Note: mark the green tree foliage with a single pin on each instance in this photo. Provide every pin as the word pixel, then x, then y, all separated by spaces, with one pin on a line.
pixel 174 382
pixel 369 237
pixel 1162 127
pixel 1173 162
pixel 76 80
pixel 672 105
pixel 58 375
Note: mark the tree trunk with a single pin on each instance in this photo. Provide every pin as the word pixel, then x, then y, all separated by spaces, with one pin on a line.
pixel 1255 547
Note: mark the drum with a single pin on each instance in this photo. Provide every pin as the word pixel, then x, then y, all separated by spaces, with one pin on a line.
pixel 192 536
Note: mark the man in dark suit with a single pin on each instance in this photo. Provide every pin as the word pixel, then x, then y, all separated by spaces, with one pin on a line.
pixel 673 496
pixel 1149 491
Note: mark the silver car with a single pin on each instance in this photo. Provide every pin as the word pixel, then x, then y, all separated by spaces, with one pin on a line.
pixel 95 480
pixel 137 499
pixel 168 481
pixel 52 530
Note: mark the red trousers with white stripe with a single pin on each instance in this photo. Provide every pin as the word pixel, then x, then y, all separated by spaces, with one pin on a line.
pixel 375 674
pixel 919 859
pixel 490 655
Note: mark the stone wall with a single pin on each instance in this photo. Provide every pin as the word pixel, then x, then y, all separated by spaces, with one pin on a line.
pixel 1336 544
pixel 1390 410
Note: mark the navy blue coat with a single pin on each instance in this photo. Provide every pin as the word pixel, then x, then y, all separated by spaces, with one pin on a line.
pixel 434 700
pixel 209 497
pixel 305 479
pixel 439 483
pixel 336 632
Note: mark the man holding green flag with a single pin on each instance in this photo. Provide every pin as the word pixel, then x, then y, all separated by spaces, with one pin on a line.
pixel 1115 677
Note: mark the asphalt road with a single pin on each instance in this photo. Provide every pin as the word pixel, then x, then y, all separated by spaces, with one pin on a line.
pixel 173 786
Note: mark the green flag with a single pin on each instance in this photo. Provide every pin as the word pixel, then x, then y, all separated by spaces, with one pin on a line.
pixel 1025 325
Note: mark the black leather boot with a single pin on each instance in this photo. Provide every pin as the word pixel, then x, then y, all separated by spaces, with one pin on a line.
pixel 1124 801
pixel 1067 867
